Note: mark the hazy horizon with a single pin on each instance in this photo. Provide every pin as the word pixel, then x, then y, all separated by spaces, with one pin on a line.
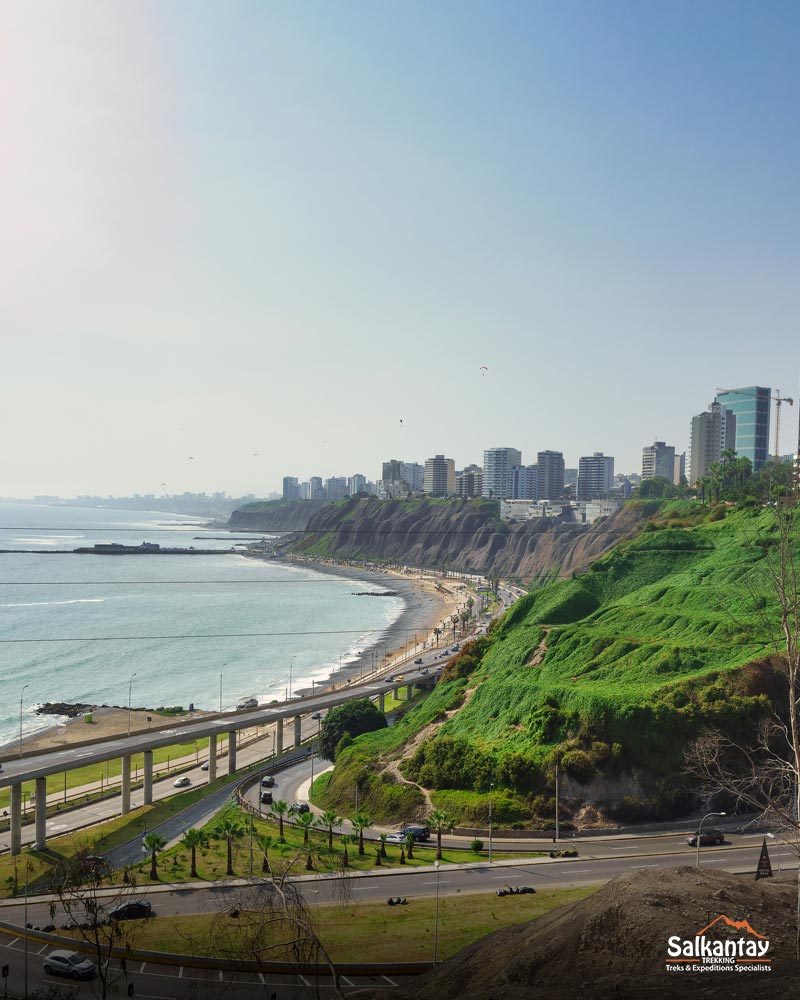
pixel 245 241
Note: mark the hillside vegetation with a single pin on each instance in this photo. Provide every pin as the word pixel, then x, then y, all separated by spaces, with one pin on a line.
pixel 615 669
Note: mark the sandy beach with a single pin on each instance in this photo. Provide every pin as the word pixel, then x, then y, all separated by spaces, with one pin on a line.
pixel 429 603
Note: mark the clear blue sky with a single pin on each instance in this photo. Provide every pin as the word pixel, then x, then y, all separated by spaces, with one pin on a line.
pixel 240 227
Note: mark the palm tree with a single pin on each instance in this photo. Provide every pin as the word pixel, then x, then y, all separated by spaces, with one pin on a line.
pixel 409 846
pixel 280 809
pixel 360 822
pixel 305 821
pixel 154 843
pixel 328 820
pixel 265 841
pixel 229 828
pixel 383 845
pixel 345 841
pixel 193 839
pixel 440 821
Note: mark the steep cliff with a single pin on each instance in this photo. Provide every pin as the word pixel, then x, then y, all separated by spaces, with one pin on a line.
pixel 463 535
pixel 275 515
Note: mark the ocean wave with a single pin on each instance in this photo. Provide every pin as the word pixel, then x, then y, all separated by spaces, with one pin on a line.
pixel 45 604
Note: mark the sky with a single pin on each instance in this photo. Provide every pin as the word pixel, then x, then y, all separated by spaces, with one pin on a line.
pixel 243 240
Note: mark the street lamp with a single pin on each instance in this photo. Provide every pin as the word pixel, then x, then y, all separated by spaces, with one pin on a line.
pixel 700 829
pixel 491 797
pixel 436 918
pixel 290 678
pixel 220 692
pixel 22 694
pixel 130 689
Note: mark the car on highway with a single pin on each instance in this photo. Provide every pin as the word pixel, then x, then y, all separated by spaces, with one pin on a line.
pixel 182 782
pixel 707 838
pixel 300 807
pixel 266 798
pixel 395 838
pixel 136 909
pixel 69 963
pixel 204 766
pixel 317 715
pixel 267 781
pixel 417 832
pixel 418 660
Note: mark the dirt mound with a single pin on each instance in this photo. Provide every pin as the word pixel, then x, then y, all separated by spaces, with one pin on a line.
pixel 614 944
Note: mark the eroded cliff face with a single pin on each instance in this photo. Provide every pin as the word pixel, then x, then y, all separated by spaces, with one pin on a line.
pixel 275 515
pixel 462 535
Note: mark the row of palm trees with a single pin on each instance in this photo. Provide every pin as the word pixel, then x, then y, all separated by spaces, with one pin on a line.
pixel 231 827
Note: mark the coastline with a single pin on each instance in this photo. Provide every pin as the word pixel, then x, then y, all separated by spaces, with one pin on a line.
pixel 427 604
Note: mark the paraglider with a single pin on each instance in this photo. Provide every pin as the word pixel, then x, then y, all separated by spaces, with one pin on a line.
pixel 483 369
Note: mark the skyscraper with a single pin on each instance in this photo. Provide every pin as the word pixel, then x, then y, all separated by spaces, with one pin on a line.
pixel 551 475
pixel 291 488
pixel 440 476
pixel 595 476
pixel 712 433
pixel 658 459
pixel 750 406
pixel 497 466
pixel 525 482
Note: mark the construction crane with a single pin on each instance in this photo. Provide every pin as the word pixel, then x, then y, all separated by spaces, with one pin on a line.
pixel 777 400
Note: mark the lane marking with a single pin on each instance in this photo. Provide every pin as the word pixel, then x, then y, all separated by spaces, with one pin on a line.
pixel 305 981
pixel 444 881
pixel 261 977
pixel 577 870
pixel 220 975
pixel 391 982
pixel 142 966
pixel 12 943
pixel 43 948
pixel 644 866
pixel 349 982
pixel 180 972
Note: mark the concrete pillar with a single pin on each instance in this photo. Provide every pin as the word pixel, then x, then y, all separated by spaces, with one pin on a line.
pixel 16 818
pixel 409 692
pixel 381 700
pixel 41 813
pixel 232 752
pixel 126 784
pixel 148 777
pixel 298 736
pixel 212 757
pixel 279 737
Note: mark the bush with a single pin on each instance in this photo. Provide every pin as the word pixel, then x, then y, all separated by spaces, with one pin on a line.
pixel 476 846
pixel 578 765
pixel 353 719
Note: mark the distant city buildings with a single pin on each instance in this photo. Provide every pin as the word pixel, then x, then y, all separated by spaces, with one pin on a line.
pixel 595 476
pixel 440 477
pixel 658 459
pixel 712 433
pixel 524 482
pixel 291 488
pixel 551 475
pixel 469 482
pixel 751 408
pixel 497 466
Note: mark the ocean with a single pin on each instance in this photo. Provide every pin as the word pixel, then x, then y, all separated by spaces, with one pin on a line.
pixel 76 628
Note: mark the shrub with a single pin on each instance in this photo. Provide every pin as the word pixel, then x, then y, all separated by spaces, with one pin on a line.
pixel 476 846
pixel 353 718
pixel 578 765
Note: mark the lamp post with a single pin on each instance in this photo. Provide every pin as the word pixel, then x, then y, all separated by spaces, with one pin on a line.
pixel 22 695
pixel 130 689
pixel 491 797
pixel 291 664
pixel 436 918
pixel 220 692
pixel 27 858
pixel 700 830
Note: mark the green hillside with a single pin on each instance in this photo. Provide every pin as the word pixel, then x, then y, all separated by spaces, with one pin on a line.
pixel 617 668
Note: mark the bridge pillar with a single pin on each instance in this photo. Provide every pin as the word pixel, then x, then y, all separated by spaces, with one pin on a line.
pixel 298 736
pixel 148 777
pixel 279 737
pixel 212 757
pixel 16 818
pixel 126 784
pixel 41 813
pixel 232 752
pixel 381 701
pixel 409 692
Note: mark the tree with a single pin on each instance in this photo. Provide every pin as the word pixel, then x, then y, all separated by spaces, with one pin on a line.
pixel 265 842
pixel 328 820
pixel 280 808
pixel 228 827
pixel 440 821
pixel 305 821
pixel 352 719
pixel 154 843
pixel 191 840
pixel 410 846
pixel 361 821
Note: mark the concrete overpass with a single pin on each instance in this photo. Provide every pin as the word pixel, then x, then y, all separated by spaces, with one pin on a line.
pixel 37 765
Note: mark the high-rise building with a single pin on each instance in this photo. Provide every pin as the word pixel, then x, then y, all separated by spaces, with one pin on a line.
pixel 551 475
pixel 712 433
pixel 469 481
pixel 595 476
pixel 497 466
pixel 750 406
pixel 680 468
pixel 414 476
pixel 658 459
pixel 315 488
pixel 291 488
pixel 440 476
pixel 525 482
pixel 392 471
pixel 336 488
pixel 356 484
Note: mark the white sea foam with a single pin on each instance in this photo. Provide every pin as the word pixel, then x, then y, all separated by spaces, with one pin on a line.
pixel 47 604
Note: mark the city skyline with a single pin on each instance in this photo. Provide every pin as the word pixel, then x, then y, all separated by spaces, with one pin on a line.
pixel 236 234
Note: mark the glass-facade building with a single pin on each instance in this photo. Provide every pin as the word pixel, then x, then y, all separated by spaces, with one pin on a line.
pixel 750 406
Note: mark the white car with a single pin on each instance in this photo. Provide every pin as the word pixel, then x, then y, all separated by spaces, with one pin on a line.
pixel 395 838
pixel 181 782
pixel 69 963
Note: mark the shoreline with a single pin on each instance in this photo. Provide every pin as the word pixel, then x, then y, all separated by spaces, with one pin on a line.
pixel 425 607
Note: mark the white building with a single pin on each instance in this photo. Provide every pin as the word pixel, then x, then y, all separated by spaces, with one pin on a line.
pixel 497 466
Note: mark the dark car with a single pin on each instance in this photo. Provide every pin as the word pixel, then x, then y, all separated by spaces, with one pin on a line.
pixel 317 716
pixel 137 909
pixel 300 807
pixel 707 838
pixel 266 798
pixel 94 866
pixel 268 781
pixel 418 660
pixel 417 832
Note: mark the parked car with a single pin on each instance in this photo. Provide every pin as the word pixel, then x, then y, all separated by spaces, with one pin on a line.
pixel 136 909
pixel 417 832
pixel 204 766
pixel 301 807
pixel 69 963
pixel 395 838
pixel 707 838
pixel 267 781
pixel 266 798
pixel 181 782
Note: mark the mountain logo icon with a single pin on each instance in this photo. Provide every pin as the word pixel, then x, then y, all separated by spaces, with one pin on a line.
pixel 737 925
